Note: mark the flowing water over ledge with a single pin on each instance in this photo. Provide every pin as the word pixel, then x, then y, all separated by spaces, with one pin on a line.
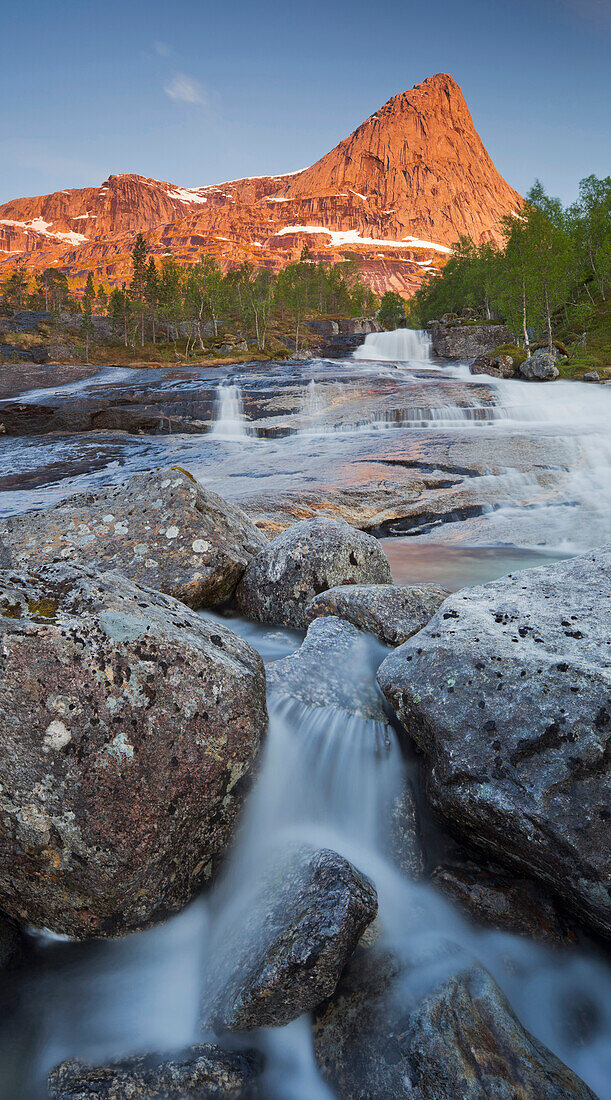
pixel 504 475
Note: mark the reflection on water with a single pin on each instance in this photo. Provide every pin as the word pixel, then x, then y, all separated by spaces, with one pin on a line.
pixel 413 562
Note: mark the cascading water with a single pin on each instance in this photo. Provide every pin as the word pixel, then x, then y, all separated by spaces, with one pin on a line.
pixel 313 402
pixel 330 780
pixel 403 345
pixel 229 420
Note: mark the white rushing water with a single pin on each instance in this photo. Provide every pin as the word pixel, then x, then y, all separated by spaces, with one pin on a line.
pixel 229 420
pixel 329 780
pixel 403 345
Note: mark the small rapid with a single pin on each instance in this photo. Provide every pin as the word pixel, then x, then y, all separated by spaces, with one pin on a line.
pixel 401 345
pixel 229 420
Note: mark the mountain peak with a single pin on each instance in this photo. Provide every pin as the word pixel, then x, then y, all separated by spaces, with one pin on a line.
pixel 396 193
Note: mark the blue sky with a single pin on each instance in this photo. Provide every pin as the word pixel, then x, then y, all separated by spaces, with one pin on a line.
pixel 198 92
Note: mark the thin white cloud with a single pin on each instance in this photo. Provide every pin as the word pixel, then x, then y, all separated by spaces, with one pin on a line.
pixel 185 89
pixel 162 49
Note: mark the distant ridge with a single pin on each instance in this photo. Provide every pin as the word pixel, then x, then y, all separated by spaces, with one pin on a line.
pixel 395 194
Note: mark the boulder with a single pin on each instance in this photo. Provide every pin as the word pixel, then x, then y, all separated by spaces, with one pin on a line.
pixel 392 612
pixel 461 1042
pixel 499 366
pixel 507 692
pixel 334 667
pixel 203 1071
pixel 129 725
pixel 540 367
pixel 160 528
pixel 308 558
pixel 456 341
pixel 500 900
pixel 285 956
pixel 591 376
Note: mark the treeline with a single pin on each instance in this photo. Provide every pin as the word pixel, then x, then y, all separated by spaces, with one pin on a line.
pixel 553 267
pixel 163 299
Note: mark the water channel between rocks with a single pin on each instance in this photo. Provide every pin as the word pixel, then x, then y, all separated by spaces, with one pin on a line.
pixel 465 479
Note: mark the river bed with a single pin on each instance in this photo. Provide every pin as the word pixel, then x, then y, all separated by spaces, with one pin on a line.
pixel 483 477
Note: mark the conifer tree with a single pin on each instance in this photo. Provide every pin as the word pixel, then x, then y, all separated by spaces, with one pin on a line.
pixel 137 287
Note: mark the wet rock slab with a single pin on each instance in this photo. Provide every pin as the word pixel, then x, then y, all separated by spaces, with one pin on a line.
pixel 128 722
pixel 392 612
pixel 308 558
pixel 160 528
pixel 461 1042
pixel 310 909
pixel 500 900
pixel 508 693
pixel 201 1072
pixel 334 667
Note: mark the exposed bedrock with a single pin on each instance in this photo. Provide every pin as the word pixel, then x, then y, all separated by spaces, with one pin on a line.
pixel 129 726
pixel 508 692
pixel 308 558
pixel 392 612
pixel 160 528
pixel 204 1071
pixel 456 341
pixel 299 926
pixel 460 1042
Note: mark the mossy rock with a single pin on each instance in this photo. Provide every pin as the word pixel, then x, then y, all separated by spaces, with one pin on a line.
pixel 543 344
pixel 518 355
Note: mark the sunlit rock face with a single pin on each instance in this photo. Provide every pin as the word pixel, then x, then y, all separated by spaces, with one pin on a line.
pixel 395 194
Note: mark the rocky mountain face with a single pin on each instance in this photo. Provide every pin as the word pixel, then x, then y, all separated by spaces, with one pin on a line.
pixel 395 194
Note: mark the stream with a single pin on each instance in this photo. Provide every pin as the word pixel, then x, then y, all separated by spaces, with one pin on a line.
pixel 497 476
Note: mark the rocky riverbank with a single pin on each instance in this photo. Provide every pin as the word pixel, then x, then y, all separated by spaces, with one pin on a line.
pixel 133 728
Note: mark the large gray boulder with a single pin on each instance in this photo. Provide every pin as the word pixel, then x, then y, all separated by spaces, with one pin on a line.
pixel 461 1042
pixel 334 667
pixel 203 1072
pixel 540 367
pixel 300 927
pixel 128 723
pixel 393 612
pixel 160 528
pixel 458 341
pixel 306 559
pixel 508 693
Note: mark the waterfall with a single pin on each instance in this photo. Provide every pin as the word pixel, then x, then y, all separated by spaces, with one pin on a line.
pixel 404 345
pixel 229 419
pixel 313 402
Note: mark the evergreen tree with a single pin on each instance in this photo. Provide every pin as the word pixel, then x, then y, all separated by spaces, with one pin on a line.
pixel 15 288
pixel 391 313
pixel 87 328
pixel 152 291
pixel 137 286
